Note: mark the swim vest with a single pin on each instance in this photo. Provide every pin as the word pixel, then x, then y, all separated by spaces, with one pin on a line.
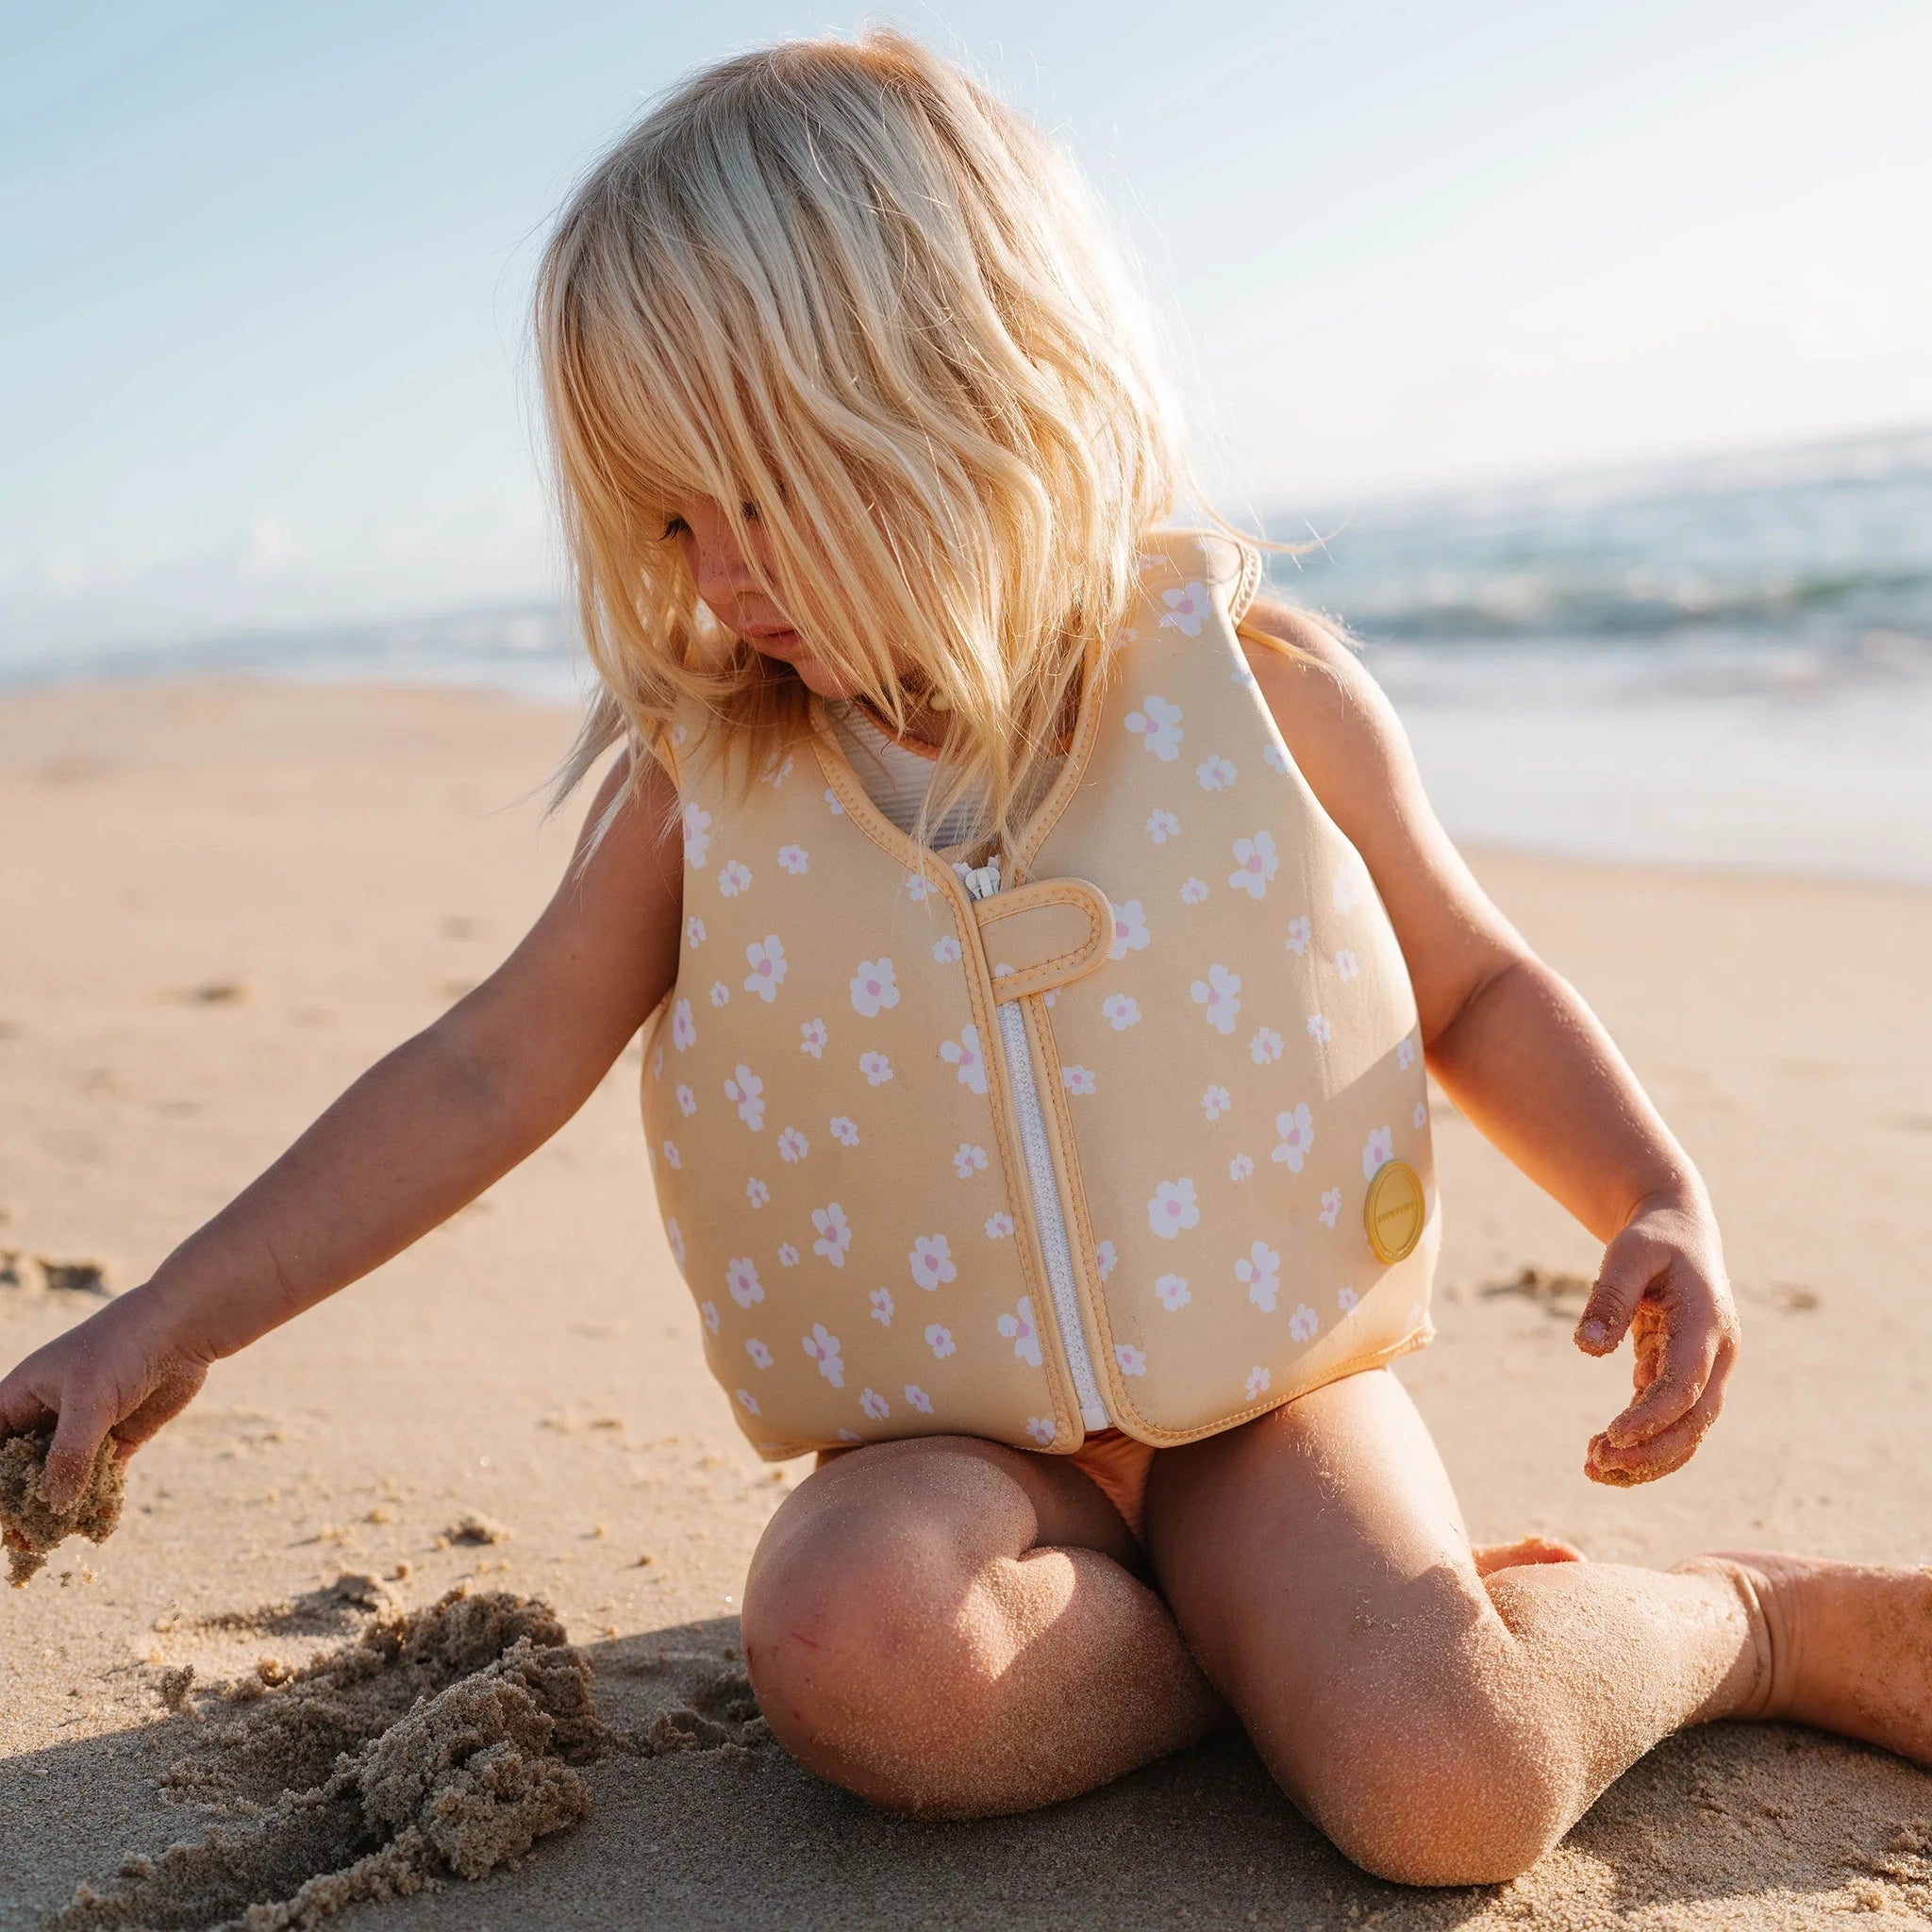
pixel 1129 1125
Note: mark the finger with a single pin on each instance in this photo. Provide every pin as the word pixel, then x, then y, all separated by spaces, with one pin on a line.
pixel 20 1410
pixel 70 1459
pixel 1689 1353
pixel 163 1406
pixel 1631 1262
pixel 1669 1449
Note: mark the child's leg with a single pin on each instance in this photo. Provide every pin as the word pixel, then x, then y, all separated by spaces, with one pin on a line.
pixel 1446 1727
pixel 948 1626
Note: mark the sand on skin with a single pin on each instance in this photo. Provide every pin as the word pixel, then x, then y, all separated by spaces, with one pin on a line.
pixel 346 856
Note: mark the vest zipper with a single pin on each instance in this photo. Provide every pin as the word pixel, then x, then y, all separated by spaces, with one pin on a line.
pixel 982 882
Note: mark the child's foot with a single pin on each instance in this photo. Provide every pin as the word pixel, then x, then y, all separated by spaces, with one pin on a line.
pixel 1490 1557
pixel 1850 1645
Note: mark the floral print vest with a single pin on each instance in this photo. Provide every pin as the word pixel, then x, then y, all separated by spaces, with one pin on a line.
pixel 1131 1128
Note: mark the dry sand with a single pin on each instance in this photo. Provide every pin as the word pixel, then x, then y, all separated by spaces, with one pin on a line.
pixel 225 900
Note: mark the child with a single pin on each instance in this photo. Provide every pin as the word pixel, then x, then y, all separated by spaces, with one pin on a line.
pixel 1084 1291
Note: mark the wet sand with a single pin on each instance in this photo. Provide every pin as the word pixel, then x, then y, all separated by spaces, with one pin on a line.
pixel 225 900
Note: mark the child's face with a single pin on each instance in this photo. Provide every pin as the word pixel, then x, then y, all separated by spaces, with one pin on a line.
pixel 730 592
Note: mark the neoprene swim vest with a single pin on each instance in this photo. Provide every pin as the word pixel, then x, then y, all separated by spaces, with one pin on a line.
pixel 1131 1126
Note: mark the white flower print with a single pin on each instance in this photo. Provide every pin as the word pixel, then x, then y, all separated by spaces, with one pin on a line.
pixel 833 805
pixel 657 1061
pixel 788 1254
pixel 1421 1115
pixel 1104 1254
pixel 672 1157
pixel 1132 1360
pixel 1347 1300
pixel 1185 608
pixel 1275 758
pixel 811 1039
pixel 792 1145
pixel 1243 674
pixel 745 1091
pixel 965 1057
pixel 1297 1130
pixel 1173 1291
pixel 1216 1102
pixel 675 1235
pixel 1129 929
pixel 687 1101
pixel 946 949
pixel 940 1339
pixel 756 1192
pixel 873 987
pixel 998 1226
pixel 919 888
pixel 1193 892
pixel 1121 1010
pixel 1215 773
pixel 1260 1270
pixel 1158 726
pixel 1258 1379
pixel 1303 1323
pixel 1173 1208
pixel 1350 888
pixel 932 1262
pixel 794 859
pixel 1162 826
pixel 823 1347
pixel 845 1130
pixel 874 1405
pixel 742 1280
pixel 1219 992
pixel 695 930
pixel 1405 1053
pixel 766 958
pixel 1331 1207
pixel 918 1398
pixel 1041 1429
pixel 720 992
pixel 734 878
pixel 697 836
pixel 1255 864
pixel 709 1311
pixel 850 1436
pixel 1077 1079
pixel 1018 1329
pixel 969 1160
pixel 776 774
pixel 1242 1167
pixel 835 1233
pixel 1347 966
pixel 1377 1153
pixel 750 1401
pixel 876 1067
pixel 882 1307
pixel 684 1029
pixel 1319 1029
pixel 760 1354
pixel 1265 1047
pixel 1299 934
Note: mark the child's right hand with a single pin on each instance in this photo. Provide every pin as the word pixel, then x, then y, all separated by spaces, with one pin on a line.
pixel 123 1371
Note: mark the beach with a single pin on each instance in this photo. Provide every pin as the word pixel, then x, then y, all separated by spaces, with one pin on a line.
pixel 227 897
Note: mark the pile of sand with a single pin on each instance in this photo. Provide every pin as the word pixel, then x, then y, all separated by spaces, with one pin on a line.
pixel 435 1745
pixel 31 1525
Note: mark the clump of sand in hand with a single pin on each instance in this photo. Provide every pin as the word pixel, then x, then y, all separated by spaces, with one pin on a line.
pixel 31 1525
pixel 435 1745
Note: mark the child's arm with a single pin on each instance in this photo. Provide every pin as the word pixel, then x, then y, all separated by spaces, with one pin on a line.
pixel 424 1130
pixel 1523 1057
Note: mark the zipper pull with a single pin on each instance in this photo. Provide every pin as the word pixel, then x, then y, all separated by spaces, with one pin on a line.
pixel 981 882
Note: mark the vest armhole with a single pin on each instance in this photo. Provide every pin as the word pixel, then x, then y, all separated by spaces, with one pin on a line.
pixel 1247 585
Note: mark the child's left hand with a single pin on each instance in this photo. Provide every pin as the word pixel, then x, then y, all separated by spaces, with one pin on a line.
pixel 1662 1280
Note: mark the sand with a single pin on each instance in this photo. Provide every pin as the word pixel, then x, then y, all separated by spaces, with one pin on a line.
pixel 342 863
pixel 30 1526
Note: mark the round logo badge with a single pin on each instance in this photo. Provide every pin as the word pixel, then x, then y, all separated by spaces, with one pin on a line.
pixel 1393 1213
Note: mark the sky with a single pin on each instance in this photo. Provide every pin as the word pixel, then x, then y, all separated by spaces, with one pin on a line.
pixel 264 269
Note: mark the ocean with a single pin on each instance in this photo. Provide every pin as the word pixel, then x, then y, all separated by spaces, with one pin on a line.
pixel 1719 663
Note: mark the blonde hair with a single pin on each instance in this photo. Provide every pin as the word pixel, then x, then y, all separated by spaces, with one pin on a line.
pixel 844 283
